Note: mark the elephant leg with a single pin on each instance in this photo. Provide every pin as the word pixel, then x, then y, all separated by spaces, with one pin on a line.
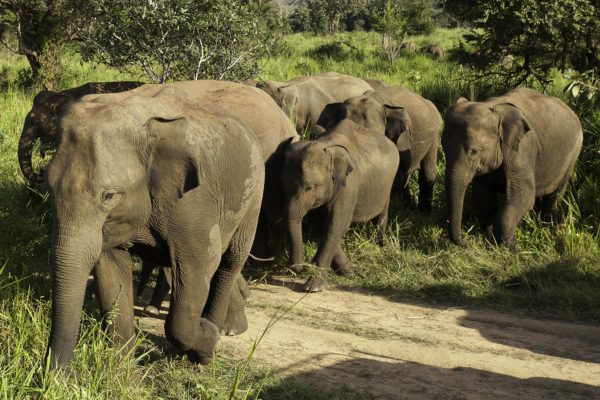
pixel 339 219
pixel 548 201
pixel 145 275
pixel 260 248
pixel 163 285
pixel 342 263
pixel 427 175
pixel 485 202
pixel 520 198
pixel 114 273
pixel 224 287
pixel 195 245
pixel 382 223
pixel 235 320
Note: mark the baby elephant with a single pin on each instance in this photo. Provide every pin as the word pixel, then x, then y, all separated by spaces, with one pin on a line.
pixel 348 173
pixel 523 144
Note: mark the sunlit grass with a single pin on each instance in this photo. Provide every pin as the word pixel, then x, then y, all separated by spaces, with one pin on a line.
pixel 555 269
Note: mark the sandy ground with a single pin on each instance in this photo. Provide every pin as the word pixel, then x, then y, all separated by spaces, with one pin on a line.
pixel 376 347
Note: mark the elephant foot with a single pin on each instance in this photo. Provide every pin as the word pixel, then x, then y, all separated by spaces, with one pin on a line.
pixel 346 270
pixel 236 322
pixel 209 337
pixel 315 284
pixel 297 268
pixel 151 310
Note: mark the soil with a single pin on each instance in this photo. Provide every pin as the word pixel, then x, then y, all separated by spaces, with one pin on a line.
pixel 363 345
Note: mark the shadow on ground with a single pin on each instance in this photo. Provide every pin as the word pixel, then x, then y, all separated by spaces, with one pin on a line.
pixel 396 379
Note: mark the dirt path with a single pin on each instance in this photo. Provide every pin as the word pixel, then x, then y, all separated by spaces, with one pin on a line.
pixel 376 347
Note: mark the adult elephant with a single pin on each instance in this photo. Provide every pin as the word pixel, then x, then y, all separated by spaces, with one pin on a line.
pixel 522 144
pixel 304 98
pixel 251 106
pixel 160 175
pixel 412 122
pixel 348 174
pixel 41 120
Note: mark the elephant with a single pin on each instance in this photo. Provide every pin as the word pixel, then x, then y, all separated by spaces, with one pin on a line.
pixel 304 98
pixel 435 51
pixel 162 175
pixel 164 283
pixel 251 106
pixel 41 120
pixel 523 144
pixel 348 174
pixel 413 125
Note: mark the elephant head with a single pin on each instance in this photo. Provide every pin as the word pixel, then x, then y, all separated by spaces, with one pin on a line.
pixel 370 114
pixel 40 123
pixel 477 139
pixel 41 120
pixel 99 181
pixel 286 97
pixel 313 174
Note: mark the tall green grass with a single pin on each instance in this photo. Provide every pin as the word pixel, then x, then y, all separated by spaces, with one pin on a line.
pixel 554 271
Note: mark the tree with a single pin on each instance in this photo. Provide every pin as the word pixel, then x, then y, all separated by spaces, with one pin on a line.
pixel 180 39
pixel 398 19
pixel 539 34
pixel 38 29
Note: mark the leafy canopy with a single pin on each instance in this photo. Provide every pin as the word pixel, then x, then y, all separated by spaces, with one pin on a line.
pixel 180 39
pixel 539 34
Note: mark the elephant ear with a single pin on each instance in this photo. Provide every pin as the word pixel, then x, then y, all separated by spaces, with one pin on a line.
pixel 289 99
pixel 272 91
pixel 512 125
pixel 341 163
pixel 331 115
pixel 171 162
pixel 462 100
pixel 397 122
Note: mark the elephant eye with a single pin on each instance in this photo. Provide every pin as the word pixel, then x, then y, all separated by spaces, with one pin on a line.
pixel 309 188
pixel 110 198
pixel 474 152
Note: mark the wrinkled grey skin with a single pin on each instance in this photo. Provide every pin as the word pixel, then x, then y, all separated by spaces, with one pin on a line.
pixel 411 122
pixel 41 120
pixel 347 173
pixel 523 144
pixel 164 284
pixel 436 51
pixel 304 98
pixel 151 174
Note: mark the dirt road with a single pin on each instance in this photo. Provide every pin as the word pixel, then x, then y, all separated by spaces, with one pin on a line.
pixel 381 348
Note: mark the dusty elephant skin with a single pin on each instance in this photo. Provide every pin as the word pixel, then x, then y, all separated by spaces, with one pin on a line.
pixel 253 107
pixel 411 122
pixel 523 144
pixel 304 98
pixel 41 120
pixel 348 172
pixel 151 174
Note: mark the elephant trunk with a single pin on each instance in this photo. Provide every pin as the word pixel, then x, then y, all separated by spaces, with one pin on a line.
pixel 295 216
pixel 75 254
pixel 27 140
pixel 456 187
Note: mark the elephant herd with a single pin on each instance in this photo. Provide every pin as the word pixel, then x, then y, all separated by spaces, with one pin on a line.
pixel 194 176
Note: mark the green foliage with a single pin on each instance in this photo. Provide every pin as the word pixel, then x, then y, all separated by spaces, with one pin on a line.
pixel 540 35
pixel 38 29
pixel 178 40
